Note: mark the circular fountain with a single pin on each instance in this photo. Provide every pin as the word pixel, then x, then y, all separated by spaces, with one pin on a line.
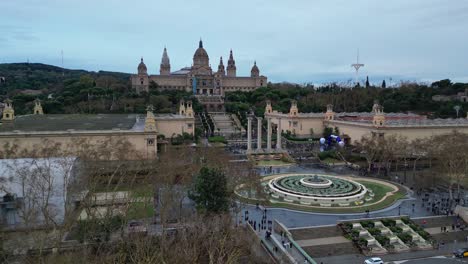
pixel 314 189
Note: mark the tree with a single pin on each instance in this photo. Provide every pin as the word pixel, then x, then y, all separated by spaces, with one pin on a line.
pixel 327 131
pixel 384 85
pixel 367 82
pixel 210 191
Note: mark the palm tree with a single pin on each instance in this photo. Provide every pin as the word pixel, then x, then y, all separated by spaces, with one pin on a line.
pixel 457 108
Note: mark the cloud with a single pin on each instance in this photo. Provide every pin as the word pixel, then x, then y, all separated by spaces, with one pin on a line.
pixel 300 42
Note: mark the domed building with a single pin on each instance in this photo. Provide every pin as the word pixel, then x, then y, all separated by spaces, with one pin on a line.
pixel 199 78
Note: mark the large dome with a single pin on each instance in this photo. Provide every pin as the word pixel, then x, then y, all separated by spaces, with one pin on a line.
pixel 200 52
pixel 200 58
pixel 142 67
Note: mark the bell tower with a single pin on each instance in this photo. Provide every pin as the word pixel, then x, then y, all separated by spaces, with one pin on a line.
pixel 293 111
pixel 189 109
pixel 38 107
pixel 329 115
pixel 231 67
pixel 182 109
pixel 268 108
pixel 150 122
pixel 165 68
pixel 379 116
pixel 8 111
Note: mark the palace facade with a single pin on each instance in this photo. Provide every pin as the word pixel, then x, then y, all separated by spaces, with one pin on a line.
pixel 353 126
pixel 131 136
pixel 199 78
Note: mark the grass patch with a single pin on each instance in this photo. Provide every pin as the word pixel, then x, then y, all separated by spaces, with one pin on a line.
pixel 140 210
pixel 271 163
pixel 217 139
pixel 379 190
pixel 331 161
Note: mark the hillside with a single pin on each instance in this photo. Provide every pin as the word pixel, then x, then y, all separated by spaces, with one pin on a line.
pixel 77 91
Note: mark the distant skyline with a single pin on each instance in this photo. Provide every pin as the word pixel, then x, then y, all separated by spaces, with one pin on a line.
pixel 294 41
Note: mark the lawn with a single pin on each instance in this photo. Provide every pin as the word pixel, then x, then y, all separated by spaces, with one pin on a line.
pixel 332 161
pixel 139 210
pixel 267 163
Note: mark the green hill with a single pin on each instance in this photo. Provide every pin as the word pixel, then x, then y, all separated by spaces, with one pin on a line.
pixel 77 91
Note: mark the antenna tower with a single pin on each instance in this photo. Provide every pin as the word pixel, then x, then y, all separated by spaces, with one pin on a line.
pixel 357 66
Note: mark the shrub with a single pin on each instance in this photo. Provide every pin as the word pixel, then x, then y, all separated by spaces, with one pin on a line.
pixel 406 220
pixel 374 231
pixel 424 234
pixel 367 224
pixel 388 222
pixel 355 233
pixel 327 154
pixel 405 237
pixel 396 229
pixel 348 226
pixel 383 240
pixel 362 241
pixel 415 227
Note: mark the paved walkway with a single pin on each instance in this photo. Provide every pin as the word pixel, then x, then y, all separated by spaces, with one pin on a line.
pixel 322 241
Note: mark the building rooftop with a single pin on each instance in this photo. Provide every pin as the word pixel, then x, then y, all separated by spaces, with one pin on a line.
pixel 78 122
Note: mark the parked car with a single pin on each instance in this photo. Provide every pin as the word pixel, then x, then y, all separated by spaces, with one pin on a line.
pixel 373 261
pixel 461 253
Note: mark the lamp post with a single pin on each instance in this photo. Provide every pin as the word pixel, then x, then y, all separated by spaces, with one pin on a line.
pixel 406 167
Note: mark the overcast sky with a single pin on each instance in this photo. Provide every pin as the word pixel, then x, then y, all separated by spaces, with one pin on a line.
pixel 295 40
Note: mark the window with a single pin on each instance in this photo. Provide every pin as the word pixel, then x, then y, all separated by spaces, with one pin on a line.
pixel 189 125
pixel 294 123
pixel 150 142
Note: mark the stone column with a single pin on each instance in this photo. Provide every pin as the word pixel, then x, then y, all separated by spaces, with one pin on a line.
pixel 269 135
pixel 259 133
pixel 278 135
pixel 249 134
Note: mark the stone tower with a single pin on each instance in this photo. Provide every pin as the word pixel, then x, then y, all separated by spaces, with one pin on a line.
pixel 231 67
pixel 221 70
pixel 8 111
pixel 150 122
pixel 182 109
pixel 189 109
pixel 268 108
pixel 293 111
pixel 38 107
pixel 379 116
pixel 165 68
pixel 329 115
pixel 143 80
pixel 255 72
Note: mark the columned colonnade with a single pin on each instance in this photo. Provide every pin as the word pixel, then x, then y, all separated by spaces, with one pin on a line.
pixel 259 134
